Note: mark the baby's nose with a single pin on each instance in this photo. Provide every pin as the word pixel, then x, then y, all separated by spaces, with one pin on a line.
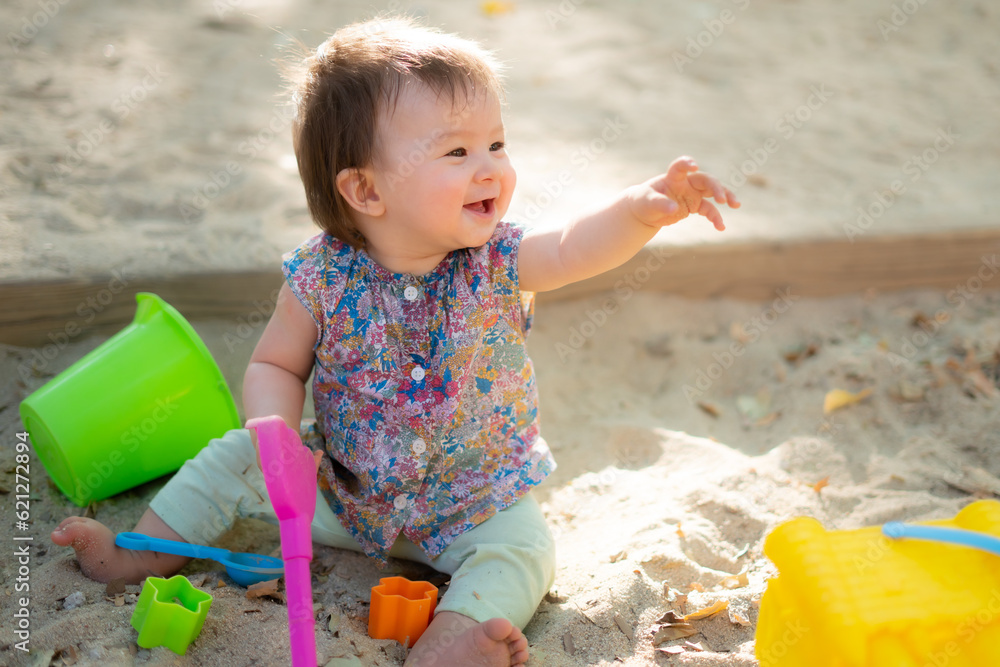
pixel 489 169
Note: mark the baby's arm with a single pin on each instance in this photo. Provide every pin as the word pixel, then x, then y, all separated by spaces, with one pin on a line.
pixel 274 383
pixel 610 236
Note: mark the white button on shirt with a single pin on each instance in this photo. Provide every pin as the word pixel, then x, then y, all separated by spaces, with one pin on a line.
pixel 419 446
pixel 417 373
pixel 400 502
pixel 411 293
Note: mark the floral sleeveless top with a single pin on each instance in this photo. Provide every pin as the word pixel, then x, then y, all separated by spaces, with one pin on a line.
pixel 423 390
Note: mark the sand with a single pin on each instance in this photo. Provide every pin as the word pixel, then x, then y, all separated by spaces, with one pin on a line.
pixel 152 140
pixel 653 492
pixel 676 456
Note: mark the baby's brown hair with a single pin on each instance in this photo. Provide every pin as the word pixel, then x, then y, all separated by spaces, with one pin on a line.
pixel 340 89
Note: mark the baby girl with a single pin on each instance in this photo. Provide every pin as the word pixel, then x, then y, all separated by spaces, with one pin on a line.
pixel 410 310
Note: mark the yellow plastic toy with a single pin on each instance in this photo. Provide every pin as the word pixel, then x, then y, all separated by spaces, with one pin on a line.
pixel 859 599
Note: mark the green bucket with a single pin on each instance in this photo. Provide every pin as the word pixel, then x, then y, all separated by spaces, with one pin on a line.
pixel 135 408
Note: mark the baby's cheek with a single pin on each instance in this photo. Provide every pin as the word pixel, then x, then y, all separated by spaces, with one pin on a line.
pixel 509 181
pixel 507 184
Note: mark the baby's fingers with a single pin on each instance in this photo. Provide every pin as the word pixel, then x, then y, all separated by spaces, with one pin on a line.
pixel 731 199
pixel 708 210
pixel 679 169
pixel 712 187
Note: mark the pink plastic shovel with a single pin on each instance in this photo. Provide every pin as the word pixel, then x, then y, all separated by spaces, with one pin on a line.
pixel 290 474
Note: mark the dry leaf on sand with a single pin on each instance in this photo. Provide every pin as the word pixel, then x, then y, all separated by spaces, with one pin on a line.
pixel 673 631
pixel 767 419
pixel 738 618
pixel 496 7
pixel 709 408
pixel 705 612
pixel 800 352
pixel 670 617
pixel 624 627
pixel 735 581
pixel 266 589
pixel 839 398
pixel 568 645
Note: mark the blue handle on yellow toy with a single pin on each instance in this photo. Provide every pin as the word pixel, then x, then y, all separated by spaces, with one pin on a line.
pixel 967 538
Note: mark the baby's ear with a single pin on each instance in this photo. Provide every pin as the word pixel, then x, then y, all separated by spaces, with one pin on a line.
pixel 357 187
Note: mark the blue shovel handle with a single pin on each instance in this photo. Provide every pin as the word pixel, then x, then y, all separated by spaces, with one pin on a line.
pixel 140 542
pixel 967 538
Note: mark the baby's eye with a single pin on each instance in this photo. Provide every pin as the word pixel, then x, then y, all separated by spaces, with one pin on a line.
pixel 497 146
pixel 458 152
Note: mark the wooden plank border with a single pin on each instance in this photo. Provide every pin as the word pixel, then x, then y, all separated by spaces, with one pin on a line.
pixel 753 271
pixel 46 312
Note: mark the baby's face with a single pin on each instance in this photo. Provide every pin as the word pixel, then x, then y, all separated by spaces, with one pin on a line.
pixel 443 172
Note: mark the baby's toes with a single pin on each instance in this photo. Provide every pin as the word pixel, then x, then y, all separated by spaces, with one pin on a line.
pixel 519 649
pixel 518 645
pixel 497 629
pixel 81 533
pixel 67 530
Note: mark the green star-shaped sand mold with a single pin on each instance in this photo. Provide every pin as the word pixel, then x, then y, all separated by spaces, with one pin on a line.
pixel 161 621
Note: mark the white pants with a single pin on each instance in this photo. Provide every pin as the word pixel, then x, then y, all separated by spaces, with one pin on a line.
pixel 501 568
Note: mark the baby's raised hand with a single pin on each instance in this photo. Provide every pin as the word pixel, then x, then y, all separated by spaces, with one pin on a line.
pixel 673 196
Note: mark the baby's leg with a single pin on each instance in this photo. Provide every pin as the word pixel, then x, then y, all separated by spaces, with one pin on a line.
pixel 500 571
pixel 101 560
pixel 197 505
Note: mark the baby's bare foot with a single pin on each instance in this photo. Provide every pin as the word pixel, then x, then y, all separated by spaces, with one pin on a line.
pixel 454 639
pixel 95 548
pixel 101 560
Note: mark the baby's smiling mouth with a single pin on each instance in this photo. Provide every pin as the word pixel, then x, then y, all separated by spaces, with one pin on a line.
pixel 482 207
